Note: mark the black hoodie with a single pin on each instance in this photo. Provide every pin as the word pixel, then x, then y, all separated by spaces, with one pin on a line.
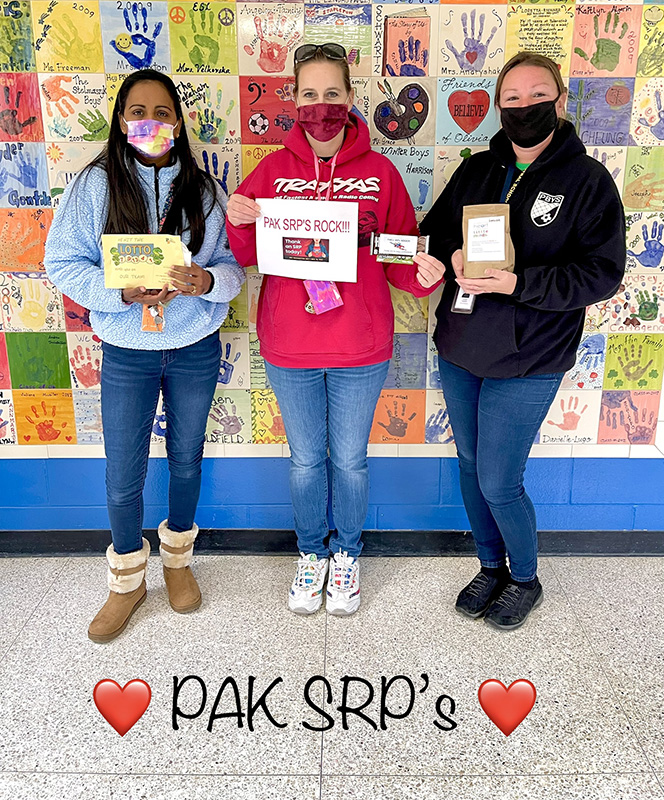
pixel 568 228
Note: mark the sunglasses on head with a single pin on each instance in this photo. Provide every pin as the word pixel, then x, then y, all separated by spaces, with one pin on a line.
pixel 305 52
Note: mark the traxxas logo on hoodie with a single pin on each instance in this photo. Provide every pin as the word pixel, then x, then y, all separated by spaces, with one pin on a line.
pixel 545 208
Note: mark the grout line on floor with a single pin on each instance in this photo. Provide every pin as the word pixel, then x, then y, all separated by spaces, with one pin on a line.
pixel 34 610
pixel 322 733
pixel 600 662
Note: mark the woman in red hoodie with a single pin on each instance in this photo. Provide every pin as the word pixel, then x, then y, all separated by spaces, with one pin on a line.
pixel 327 370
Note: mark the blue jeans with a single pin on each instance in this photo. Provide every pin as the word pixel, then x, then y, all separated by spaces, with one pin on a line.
pixel 130 384
pixel 328 408
pixel 495 422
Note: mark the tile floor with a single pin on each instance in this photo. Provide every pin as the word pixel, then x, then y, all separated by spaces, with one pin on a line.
pixel 594 650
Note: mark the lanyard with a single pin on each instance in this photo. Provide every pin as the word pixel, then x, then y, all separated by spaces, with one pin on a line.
pixel 167 206
pixel 508 192
pixel 319 192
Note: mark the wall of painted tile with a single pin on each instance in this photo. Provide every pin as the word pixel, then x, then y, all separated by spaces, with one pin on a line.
pixel 61 64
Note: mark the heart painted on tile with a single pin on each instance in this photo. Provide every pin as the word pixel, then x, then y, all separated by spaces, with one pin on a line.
pixel 581 384
pixel 261 414
pixel 27 438
pixel 507 708
pixel 69 438
pixel 192 115
pixel 472 56
pixel 122 707
pixel 468 109
pixel 231 133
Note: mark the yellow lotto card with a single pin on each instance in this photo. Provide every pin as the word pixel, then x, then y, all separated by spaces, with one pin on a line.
pixel 140 260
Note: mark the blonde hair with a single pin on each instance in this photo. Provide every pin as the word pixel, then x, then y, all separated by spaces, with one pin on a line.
pixel 319 57
pixel 529 59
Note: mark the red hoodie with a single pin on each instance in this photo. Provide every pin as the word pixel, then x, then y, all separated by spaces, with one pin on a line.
pixel 360 332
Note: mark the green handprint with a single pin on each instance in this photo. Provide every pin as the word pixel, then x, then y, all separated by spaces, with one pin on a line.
pixel 607 51
pixel 211 126
pixel 95 125
pixel 207 40
pixel 648 309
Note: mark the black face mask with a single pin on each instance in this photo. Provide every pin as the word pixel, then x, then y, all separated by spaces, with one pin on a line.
pixel 527 126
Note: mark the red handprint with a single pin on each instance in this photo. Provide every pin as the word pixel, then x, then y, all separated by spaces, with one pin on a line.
pixel 570 417
pixel 44 428
pixel 277 427
pixel 272 55
pixel 54 93
pixel 87 372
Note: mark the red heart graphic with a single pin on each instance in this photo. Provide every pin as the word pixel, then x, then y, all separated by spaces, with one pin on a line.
pixel 232 133
pixel 472 57
pixel 507 708
pixel 27 438
pixel 581 384
pixel 192 115
pixel 69 438
pixel 122 707
pixel 468 109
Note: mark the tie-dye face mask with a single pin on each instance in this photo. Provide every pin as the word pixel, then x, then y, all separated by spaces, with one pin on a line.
pixel 150 137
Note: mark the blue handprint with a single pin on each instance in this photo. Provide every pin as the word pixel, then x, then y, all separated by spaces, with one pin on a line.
pixel 657 129
pixel 424 187
pixel 651 255
pixel 223 181
pixel 27 171
pixel 604 158
pixel 473 55
pixel 226 367
pixel 438 428
pixel 60 128
pixel 413 59
pixel 123 42
pixel 159 425
pixel 591 351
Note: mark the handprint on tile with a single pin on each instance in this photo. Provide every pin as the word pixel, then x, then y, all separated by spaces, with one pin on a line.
pixel 631 366
pixel 27 171
pixel 639 429
pixel 227 367
pixel 10 121
pixel 45 423
pixel 229 423
pixel 274 39
pixel 412 316
pixel 656 128
pixel 223 180
pixel 603 161
pixel 653 249
pixel 438 429
pixel 211 125
pixel 607 50
pixel 651 57
pixel 474 52
pixel 206 44
pixel 397 422
pixel 96 126
pixel 645 192
pixel 86 369
pixel 122 44
pixel 276 427
pixel 571 417
pixel 56 94
pixel 159 425
pixel 410 60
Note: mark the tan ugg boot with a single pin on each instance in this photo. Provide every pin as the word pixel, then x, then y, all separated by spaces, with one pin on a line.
pixel 176 550
pixel 126 580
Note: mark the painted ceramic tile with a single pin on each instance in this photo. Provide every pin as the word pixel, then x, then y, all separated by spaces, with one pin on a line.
pixel 362 101
pixel 644 179
pixel 67 37
pixel 229 421
pixel 572 418
pixel 267 110
pixel 20 112
pixel 65 160
pixel 38 360
pixel 634 361
pixel 472 41
pixel 636 307
pixel 234 368
pixel 409 41
pixel 24 176
pixel 17 52
pixel 211 109
pixel 588 371
pixel 23 235
pixel 614 159
pixel 259 379
pixel 408 365
pixel 545 29
pixel 5 379
pixel 159 424
pixel 410 313
pixel 30 302
pixel 254 281
pixel 267 424
pixel 348 25
pixel 416 167
pixel 438 429
pixel 268 35
pixel 135 35
pixel 77 318
pixel 7 418
pixel 223 162
pixel 645 250
pixel 44 417
pixel 650 62
pixel 433 375
pixel 647 113
pixel 628 417
pixel 606 40
pixel 400 417
pixel 446 161
pixel 403 111
pixel 85 358
pixel 466 114
pixel 203 38
pixel 87 411
pixel 600 110
pixel 237 318
pixel 252 155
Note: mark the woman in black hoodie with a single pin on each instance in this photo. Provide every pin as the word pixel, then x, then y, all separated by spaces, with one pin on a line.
pixel 501 365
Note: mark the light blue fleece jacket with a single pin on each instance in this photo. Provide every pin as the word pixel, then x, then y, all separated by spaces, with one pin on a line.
pixel 73 262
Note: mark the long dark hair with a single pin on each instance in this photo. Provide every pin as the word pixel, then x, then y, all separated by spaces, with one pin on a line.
pixel 126 208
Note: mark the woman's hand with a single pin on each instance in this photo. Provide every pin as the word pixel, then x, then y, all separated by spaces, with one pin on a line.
pixel 496 280
pixel 148 297
pixel 191 281
pixel 242 210
pixel 429 269
pixel 457 263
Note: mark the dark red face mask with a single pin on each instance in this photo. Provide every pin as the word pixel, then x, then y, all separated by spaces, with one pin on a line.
pixel 323 121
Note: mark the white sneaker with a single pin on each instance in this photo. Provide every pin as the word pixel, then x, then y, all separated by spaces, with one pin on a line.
pixel 343 585
pixel 306 592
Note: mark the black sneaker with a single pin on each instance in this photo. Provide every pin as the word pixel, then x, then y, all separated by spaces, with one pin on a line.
pixel 511 609
pixel 474 599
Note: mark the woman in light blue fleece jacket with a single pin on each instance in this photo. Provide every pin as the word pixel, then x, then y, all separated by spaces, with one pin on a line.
pixel 146 181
